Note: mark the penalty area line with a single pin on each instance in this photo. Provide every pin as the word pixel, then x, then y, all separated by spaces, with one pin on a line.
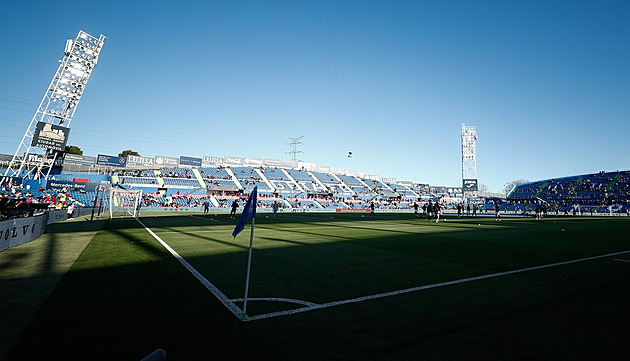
pixel 212 288
pixel 426 287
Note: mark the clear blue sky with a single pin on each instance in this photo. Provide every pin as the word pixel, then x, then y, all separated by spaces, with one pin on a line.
pixel 546 83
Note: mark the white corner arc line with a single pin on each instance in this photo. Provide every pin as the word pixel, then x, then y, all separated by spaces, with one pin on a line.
pixel 229 304
pixel 212 288
pixel 276 299
pixel 420 288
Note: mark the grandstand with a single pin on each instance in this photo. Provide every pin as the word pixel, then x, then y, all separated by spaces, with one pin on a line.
pixel 281 181
pixel 218 179
pixel 250 177
pixel 313 189
pixel 602 192
pixel 333 184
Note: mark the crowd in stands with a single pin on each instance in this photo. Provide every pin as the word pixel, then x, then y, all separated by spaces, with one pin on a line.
pixel 18 201
pixel 603 192
pixel 300 190
pixel 176 173
pixel 136 173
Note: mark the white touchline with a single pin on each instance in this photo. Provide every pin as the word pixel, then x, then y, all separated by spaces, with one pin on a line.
pixel 229 304
pixel 622 260
pixel 420 288
pixel 212 288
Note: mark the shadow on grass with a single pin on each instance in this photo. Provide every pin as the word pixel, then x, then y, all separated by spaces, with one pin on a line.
pixel 127 296
pixel 30 272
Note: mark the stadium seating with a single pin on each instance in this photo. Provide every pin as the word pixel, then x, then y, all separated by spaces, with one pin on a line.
pixel 602 192
pixel 249 177
pixel 597 193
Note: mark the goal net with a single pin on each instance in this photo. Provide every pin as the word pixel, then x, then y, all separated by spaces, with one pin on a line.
pixel 124 203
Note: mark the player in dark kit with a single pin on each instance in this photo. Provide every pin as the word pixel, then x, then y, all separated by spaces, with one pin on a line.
pixel 497 211
pixel 437 210
pixel 206 206
pixel 233 211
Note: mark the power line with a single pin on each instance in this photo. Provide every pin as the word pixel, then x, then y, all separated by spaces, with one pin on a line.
pixel 295 142
pixel 334 59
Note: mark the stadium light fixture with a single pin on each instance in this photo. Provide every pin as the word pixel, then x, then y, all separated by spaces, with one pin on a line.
pixel 469 159
pixel 58 105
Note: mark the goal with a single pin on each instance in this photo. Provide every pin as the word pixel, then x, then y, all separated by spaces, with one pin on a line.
pixel 124 203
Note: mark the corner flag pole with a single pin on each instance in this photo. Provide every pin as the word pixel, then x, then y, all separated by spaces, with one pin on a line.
pixel 249 266
pixel 249 211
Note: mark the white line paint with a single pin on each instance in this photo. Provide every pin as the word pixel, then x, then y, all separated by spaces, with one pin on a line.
pixel 420 288
pixel 229 304
pixel 622 260
pixel 212 288
pixel 276 299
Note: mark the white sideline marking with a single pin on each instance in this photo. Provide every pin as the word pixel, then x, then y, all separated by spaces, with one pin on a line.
pixel 276 299
pixel 622 260
pixel 215 291
pixel 229 304
pixel 420 288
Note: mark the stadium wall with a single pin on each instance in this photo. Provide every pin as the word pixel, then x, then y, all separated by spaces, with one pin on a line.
pixel 17 231
pixel 14 232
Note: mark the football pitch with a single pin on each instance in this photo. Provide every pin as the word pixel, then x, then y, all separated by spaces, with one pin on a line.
pixel 341 287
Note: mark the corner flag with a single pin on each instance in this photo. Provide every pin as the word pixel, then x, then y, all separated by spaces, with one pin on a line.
pixel 249 211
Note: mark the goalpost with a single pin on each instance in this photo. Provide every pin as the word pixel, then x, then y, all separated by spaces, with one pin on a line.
pixel 124 203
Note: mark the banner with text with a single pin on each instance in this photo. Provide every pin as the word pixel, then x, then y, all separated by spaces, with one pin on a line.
pixel 277 163
pixel 164 162
pixel 78 160
pixel 189 161
pixel 253 162
pixel 233 160
pixel 111 161
pixel 134 161
pixel 21 230
pixel 208 161
pixel 72 186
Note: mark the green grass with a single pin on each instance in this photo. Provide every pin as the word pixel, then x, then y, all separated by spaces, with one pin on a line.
pixel 126 295
pixel 30 272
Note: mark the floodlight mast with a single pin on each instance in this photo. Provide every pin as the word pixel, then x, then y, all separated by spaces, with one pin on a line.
pixel 469 155
pixel 57 107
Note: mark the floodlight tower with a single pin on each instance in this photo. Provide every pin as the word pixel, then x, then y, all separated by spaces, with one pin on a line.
pixel 50 125
pixel 469 159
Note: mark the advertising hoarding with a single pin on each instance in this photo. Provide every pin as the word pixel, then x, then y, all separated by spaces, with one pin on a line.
pixel 189 161
pixel 166 162
pixel 111 161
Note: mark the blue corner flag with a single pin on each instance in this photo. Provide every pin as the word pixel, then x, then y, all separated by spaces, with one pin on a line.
pixel 249 211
